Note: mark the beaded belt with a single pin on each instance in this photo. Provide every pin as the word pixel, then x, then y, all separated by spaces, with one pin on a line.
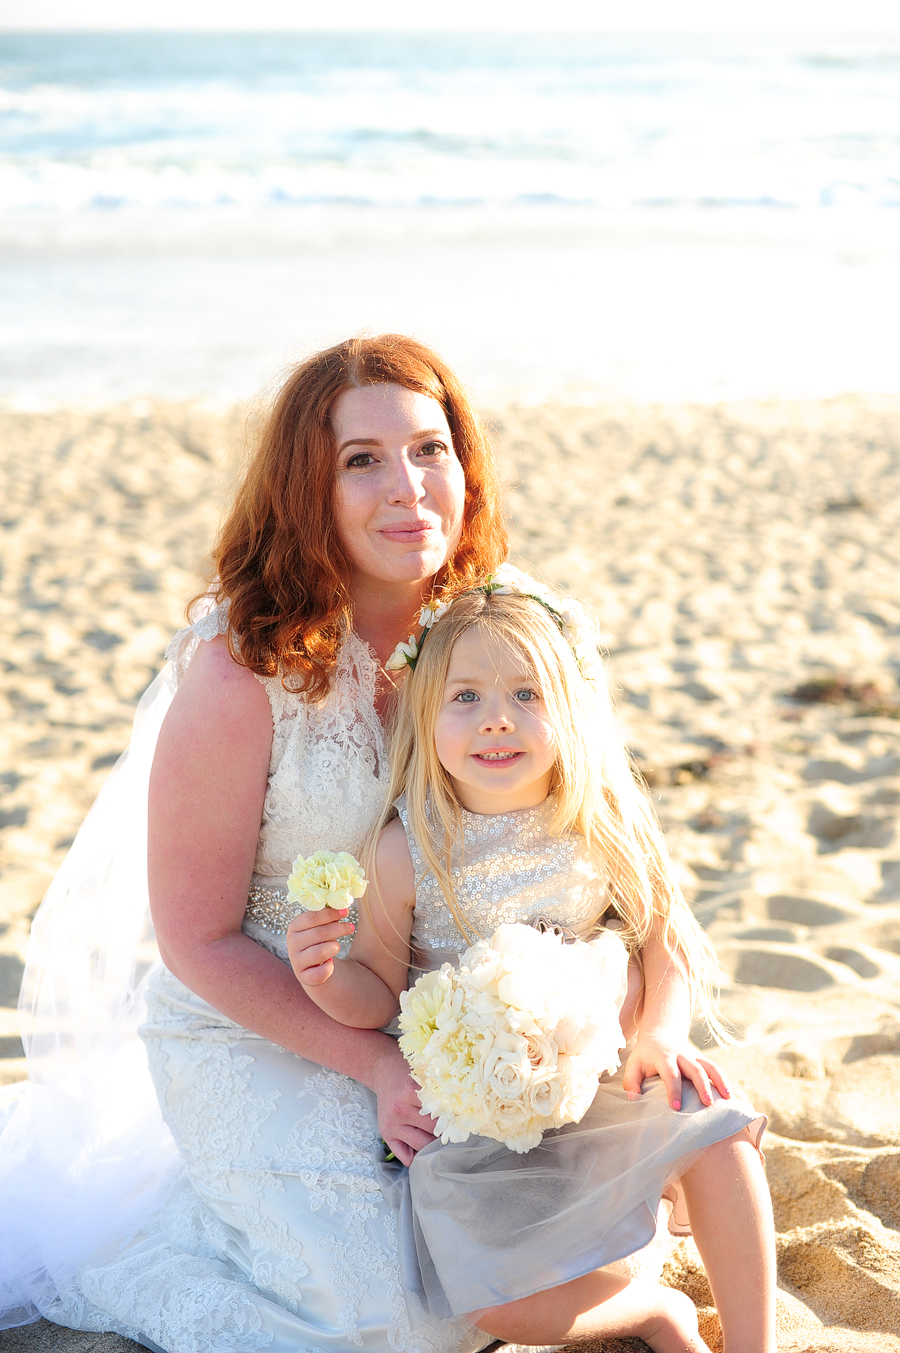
pixel 272 908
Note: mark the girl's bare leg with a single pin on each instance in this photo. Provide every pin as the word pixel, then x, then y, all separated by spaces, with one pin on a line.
pixel 599 1305
pixel 731 1220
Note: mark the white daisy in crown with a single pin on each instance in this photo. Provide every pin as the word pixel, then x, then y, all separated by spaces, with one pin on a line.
pixel 576 626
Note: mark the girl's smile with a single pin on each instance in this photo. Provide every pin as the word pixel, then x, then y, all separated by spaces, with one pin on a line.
pixel 492 735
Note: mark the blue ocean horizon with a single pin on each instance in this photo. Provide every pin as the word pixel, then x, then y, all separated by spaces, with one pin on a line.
pixel 181 213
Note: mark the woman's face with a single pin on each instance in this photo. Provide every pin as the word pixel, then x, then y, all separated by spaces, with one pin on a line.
pixel 399 489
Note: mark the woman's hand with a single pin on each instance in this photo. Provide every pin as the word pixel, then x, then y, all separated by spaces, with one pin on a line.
pixel 313 943
pixel 657 1055
pixel 401 1122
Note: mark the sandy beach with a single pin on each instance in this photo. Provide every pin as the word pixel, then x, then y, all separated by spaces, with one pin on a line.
pixel 743 560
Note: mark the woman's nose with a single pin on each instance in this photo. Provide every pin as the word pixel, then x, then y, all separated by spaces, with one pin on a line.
pixel 407 484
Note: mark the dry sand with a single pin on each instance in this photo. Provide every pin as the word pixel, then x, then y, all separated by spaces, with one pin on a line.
pixel 733 553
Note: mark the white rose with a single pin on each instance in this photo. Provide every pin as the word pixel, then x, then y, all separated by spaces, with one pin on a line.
pixel 513 1125
pixel 544 1096
pixel 541 1051
pixel 504 1066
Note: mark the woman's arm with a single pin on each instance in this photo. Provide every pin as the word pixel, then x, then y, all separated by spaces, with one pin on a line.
pixel 362 991
pixel 207 789
pixel 662 1048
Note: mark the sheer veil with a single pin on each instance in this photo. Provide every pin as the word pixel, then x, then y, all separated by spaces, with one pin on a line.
pixel 84 1153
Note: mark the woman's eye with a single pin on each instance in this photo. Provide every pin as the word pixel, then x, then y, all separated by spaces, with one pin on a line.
pixel 360 460
pixel 432 449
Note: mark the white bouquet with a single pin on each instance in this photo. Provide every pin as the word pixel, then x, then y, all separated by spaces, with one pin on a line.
pixel 513 1041
pixel 326 879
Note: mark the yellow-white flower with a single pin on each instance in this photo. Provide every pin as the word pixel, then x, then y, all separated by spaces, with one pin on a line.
pixel 326 879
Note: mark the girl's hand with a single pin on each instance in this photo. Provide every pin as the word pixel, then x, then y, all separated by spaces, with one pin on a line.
pixel 654 1055
pixel 313 943
pixel 401 1122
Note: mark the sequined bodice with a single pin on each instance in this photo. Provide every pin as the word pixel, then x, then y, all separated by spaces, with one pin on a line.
pixel 510 870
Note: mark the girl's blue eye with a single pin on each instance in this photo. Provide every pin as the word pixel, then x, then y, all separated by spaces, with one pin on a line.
pixel 465 697
pixel 525 695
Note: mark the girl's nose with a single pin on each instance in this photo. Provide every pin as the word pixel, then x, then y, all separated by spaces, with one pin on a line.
pixel 496 719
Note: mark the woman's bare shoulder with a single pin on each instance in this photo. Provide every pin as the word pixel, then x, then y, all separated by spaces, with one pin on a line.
pixel 213 669
pixel 222 695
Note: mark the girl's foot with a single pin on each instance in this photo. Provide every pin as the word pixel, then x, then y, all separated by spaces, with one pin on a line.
pixel 673 1329
pixel 597 1306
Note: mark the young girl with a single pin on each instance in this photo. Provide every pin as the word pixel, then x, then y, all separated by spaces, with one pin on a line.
pixel 512 799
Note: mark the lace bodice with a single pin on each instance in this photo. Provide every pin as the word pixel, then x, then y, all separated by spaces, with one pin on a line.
pixel 328 768
pixel 511 870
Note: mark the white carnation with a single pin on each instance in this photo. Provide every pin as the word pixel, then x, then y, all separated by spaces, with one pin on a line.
pixel 326 879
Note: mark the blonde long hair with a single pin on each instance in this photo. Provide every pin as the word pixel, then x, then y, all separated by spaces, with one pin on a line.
pixel 595 787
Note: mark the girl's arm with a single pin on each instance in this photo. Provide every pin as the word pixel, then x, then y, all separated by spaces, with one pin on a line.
pixel 206 798
pixel 362 991
pixel 662 1048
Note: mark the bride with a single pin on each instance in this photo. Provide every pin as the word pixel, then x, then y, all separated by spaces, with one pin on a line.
pixel 231 1199
pixel 249 1215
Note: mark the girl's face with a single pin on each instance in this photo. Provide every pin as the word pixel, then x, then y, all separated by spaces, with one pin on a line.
pixel 399 488
pixel 492 735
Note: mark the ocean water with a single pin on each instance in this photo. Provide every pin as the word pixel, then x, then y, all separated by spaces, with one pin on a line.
pixel 576 215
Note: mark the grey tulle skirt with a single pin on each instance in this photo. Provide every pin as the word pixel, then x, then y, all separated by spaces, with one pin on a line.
pixel 480 1225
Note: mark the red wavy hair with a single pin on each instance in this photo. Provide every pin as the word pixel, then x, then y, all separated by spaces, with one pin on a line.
pixel 279 560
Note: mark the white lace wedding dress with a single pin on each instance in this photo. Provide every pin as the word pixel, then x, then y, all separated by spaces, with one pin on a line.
pixel 268 1229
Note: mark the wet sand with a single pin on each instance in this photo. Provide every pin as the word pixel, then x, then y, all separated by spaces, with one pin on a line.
pixel 744 562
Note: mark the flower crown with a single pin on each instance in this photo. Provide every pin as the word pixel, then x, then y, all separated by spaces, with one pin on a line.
pixel 575 625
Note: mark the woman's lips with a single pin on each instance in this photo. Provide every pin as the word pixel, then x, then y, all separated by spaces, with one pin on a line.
pixel 405 532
